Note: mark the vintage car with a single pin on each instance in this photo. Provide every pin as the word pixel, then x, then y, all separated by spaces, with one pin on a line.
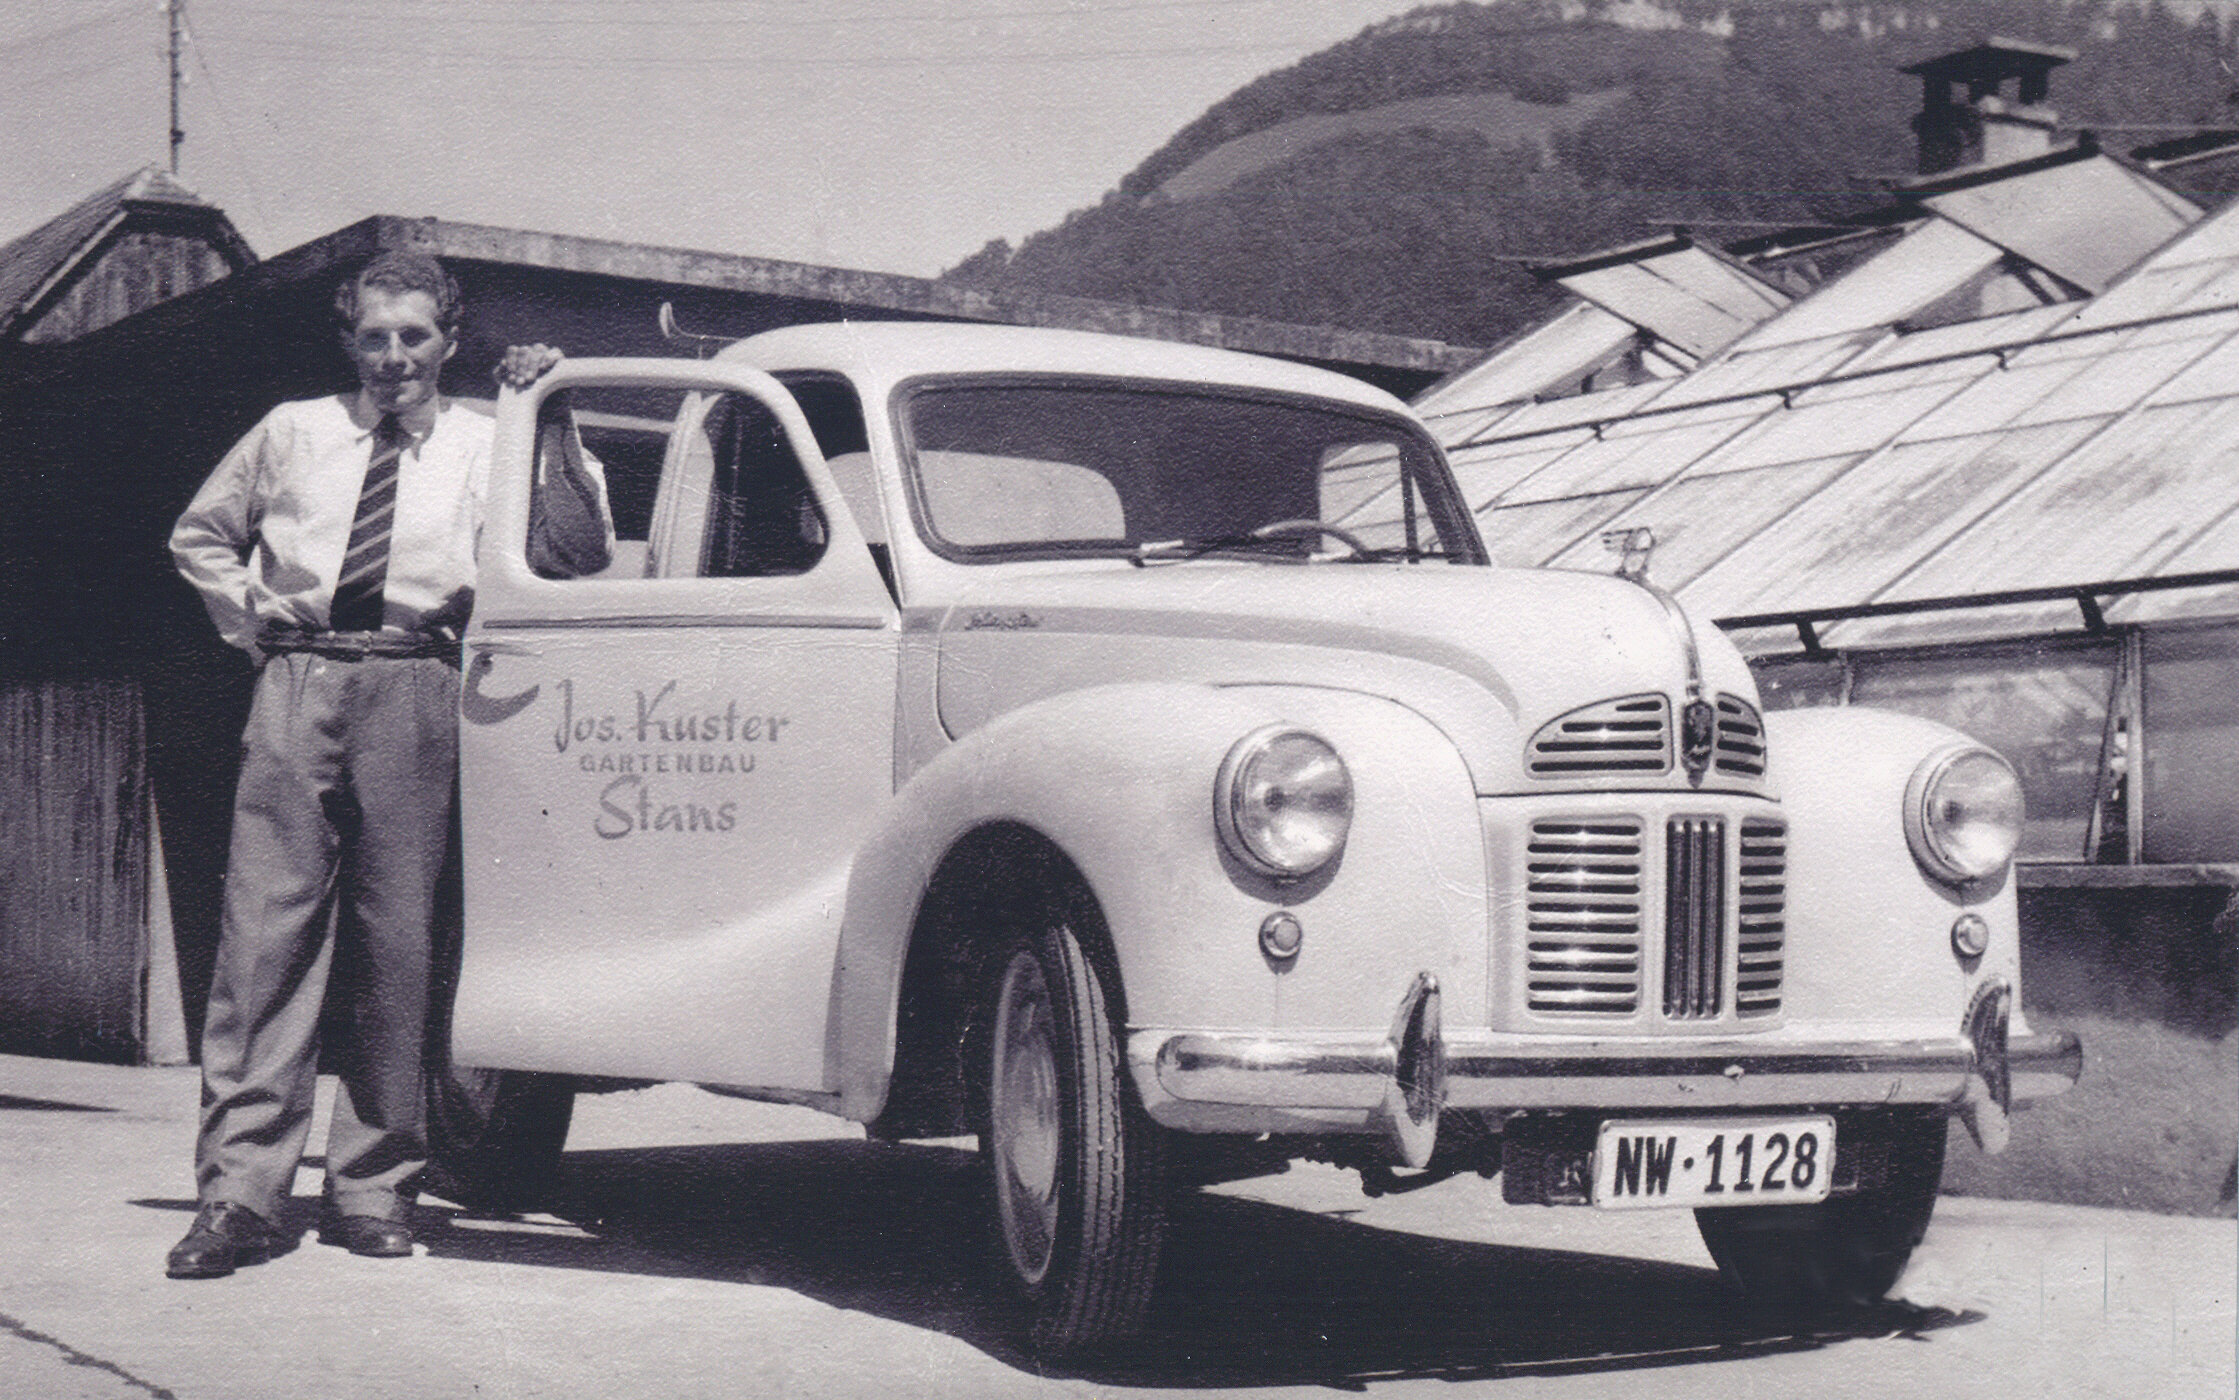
pixel 1126 753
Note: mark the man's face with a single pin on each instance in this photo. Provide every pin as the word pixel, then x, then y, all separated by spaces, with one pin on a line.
pixel 397 347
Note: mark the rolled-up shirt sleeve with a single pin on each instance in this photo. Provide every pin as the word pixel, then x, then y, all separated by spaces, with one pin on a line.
pixel 213 539
pixel 571 525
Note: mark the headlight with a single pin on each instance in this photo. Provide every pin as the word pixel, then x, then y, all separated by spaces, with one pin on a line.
pixel 1283 802
pixel 1963 814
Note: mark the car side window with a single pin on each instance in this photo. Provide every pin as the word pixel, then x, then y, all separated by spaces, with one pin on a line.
pixel 615 437
pixel 763 517
pixel 835 416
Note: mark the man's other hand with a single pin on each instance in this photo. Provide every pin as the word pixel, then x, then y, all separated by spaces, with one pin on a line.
pixel 523 365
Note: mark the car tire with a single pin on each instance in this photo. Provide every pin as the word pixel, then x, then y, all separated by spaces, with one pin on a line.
pixel 1846 1251
pixel 495 1137
pixel 1070 1167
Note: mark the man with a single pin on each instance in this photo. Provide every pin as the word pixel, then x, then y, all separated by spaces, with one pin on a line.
pixel 335 544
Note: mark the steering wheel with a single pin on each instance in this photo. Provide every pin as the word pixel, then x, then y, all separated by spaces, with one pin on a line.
pixel 1303 526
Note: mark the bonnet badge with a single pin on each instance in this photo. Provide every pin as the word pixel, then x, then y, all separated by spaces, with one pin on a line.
pixel 1698 736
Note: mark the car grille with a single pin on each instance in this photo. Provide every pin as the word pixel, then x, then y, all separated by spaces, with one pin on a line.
pixel 1631 734
pixel 1694 916
pixel 1763 916
pixel 1583 888
pixel 1590 928
pixel 1741 739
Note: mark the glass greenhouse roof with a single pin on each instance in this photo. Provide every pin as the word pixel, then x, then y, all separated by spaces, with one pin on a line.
pixel 1835 457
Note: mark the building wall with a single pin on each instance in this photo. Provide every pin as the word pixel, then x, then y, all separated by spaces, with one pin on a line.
pixel 73 869
pixel 133 272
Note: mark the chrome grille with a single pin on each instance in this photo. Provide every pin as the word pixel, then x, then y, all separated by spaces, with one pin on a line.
pixel 1583 915
pixel 1631 734
pixel 1741 738
pixel 1763 916
pixel 1694 916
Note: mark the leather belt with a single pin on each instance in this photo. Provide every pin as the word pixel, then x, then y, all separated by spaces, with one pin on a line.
pixel 358 646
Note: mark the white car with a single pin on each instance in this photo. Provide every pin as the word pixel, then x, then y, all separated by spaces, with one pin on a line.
pixel 1126 753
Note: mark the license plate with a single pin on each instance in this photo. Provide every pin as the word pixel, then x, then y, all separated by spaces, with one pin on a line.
pixel 1713 1162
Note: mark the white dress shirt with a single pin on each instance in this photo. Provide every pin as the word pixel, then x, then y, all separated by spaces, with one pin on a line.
pixel 263 540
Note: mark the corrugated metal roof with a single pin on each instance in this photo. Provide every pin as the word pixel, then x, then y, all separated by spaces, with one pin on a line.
pixel 1835 458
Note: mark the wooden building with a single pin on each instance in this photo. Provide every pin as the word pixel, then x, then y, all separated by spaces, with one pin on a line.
pixel 79 896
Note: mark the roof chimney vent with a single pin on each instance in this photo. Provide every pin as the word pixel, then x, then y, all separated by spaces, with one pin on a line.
pixel 1984 127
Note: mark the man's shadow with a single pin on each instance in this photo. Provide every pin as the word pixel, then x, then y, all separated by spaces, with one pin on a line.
pixel 1248 1294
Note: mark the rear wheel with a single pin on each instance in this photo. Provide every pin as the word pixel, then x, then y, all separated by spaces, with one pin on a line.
pixel 1070 1163
pixel 1850 1249
pixel 495 1137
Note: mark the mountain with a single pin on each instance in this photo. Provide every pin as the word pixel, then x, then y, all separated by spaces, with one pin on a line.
pixel 1398 181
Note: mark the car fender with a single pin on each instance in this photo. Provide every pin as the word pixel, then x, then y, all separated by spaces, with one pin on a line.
pixel 1869 931
pixel 1120 780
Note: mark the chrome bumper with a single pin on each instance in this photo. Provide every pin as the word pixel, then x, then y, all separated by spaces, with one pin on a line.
pixel 1417 1063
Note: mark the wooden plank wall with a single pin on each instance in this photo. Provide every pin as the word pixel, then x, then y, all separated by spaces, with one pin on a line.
pixel 73 868
pixel 136 271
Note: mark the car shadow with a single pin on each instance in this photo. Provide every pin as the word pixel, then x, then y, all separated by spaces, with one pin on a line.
pixel 1249 1294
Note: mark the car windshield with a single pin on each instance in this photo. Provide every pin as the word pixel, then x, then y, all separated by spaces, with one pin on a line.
pixel 1049 468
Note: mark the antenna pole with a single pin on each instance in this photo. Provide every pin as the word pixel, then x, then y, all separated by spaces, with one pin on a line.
pixel 174 10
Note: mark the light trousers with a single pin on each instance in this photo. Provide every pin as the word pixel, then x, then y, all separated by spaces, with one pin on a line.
pixel 340 825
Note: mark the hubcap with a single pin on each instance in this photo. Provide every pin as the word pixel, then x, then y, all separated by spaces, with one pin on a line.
pixel 1024 1117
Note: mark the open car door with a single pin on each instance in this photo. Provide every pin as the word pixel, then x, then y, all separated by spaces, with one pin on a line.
pixel 668 764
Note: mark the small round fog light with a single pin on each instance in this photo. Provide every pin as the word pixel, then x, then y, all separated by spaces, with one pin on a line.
pixel 1970 935
pixel 1280 935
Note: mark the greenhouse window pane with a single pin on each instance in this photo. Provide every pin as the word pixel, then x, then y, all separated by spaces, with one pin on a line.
pixel 2122 501
pixel 1934 258
pixel 1769 370
pixel 2116 381
pixel 2087 221
pixel 1855 539
pixel 1529 535
pixel 1799 682
pixel 2044 707
pixel 1554 357
pixel 2192 744
pixel 1686 296
pixel 1699 520
pixel 1617 462
pixel 1967 337
pixel 2214 375
pixel 1995 397
pixel 1813 429
pixel 1485 472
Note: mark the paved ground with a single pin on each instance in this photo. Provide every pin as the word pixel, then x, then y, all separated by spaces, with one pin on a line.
pixel 715 1248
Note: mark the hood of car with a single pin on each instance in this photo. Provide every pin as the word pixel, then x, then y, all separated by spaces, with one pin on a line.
pixel 1489 655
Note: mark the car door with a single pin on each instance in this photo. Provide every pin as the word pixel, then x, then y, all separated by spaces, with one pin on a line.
pixel 667 765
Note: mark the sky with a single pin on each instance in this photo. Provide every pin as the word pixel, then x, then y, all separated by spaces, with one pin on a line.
pixel 892 135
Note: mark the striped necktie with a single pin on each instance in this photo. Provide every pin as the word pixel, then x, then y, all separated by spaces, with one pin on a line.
pixel 365 564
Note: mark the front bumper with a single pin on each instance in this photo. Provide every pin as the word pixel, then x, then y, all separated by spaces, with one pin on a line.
pixel 1398 1082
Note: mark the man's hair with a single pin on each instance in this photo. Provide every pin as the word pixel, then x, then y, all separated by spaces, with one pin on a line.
pixel 396 273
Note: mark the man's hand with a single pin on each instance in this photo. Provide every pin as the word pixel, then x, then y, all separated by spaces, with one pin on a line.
pixel 523 365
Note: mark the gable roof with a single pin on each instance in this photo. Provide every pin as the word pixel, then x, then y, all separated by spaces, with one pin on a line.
pixel 35 264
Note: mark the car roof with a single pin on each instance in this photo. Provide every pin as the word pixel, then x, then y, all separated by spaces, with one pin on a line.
pixel 888 352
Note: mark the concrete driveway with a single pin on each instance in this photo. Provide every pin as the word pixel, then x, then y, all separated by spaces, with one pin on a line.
pixel 716 1248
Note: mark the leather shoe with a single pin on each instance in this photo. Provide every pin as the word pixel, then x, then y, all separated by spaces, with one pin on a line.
pixel 369 1235
pixel 225 1236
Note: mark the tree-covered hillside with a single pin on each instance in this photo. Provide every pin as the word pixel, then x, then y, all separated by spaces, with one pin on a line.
pixel 1734 115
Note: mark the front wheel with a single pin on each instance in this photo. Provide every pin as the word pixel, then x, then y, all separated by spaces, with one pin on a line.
pixel 1071 1165
pixel 1847 1250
